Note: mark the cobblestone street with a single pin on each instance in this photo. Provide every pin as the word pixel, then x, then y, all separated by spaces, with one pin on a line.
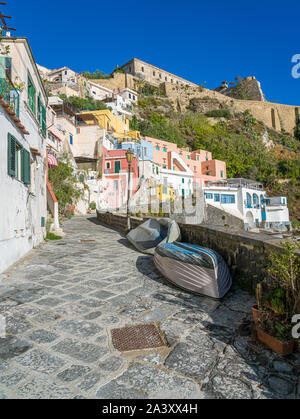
pixel 62 300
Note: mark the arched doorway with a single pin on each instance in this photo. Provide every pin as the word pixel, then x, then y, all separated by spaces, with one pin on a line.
pixel 250 219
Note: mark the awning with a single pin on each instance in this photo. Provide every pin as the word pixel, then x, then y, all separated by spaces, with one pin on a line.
pixel 52 161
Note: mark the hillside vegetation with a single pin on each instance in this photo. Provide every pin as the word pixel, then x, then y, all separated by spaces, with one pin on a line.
pixel 250 149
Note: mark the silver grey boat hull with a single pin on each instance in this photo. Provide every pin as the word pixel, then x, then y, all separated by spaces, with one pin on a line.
pixel 193 268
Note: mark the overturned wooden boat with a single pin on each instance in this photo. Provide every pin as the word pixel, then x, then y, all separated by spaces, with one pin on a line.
pixel 193 268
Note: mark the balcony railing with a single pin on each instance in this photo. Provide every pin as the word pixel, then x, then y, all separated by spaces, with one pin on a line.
pixel 10 94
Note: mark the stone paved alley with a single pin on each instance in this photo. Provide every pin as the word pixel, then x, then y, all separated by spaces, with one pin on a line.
pixel 61 301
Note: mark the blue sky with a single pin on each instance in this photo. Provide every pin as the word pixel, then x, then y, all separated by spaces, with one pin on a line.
pixel 205 42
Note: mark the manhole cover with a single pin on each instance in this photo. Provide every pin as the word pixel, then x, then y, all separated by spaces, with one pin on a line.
pixel 144 336
pixel 87 241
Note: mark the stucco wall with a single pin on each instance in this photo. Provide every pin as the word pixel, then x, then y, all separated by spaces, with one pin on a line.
pixel 21 206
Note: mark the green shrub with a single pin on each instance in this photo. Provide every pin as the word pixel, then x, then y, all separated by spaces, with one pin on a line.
pixel 85 104
pixel 51 236
pixel 64 185
pixel 219 113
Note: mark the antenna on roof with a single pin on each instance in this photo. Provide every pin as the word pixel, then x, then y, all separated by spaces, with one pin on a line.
pixel 3 21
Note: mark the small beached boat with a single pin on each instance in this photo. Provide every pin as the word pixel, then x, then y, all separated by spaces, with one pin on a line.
pixel 152 233
pixel 193 268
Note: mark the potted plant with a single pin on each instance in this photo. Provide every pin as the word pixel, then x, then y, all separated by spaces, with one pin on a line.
pixel 257 310
pixel 279 300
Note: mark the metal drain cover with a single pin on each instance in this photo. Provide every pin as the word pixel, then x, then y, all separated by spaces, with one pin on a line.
pixel 144 336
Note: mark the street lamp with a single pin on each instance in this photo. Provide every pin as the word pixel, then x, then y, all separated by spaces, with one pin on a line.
pixel 129 158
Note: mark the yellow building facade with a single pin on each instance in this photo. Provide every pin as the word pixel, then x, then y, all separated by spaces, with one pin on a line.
pixel 111 123
pixel 164 193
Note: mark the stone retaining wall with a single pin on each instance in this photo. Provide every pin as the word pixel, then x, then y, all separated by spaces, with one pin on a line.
pixel 245 253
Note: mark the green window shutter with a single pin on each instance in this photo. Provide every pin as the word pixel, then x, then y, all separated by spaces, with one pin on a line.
pixel 11 160
pixel 25 166
pixel 31 95
pixel 40 110
pixel 43 119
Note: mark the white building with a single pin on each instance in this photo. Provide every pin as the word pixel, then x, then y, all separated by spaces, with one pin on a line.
pixel 121 102
pixel 98 92
pixel 180 177
pixel 22 153
pixel 63 75
pixel 127 94
pixel 247 200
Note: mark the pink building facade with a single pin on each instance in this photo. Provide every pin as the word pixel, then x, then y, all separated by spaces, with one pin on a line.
pixel 115 177
pixel 200 162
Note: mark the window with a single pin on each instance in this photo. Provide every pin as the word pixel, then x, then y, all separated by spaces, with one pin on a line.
pixel 164 149
pixel 217 197
pixel 166 78
pixel 159 75
pixel 133 97
pixel 208 195
pixel 66 72
pixel 129 94
pixel 248 200
pixel 228 199
pixel 6 63
pixel 164 166
pixel 153 73
pixel 157 148
pixel 18 160
pixel 255 201
pixel 222 173
pixel 108 165
pixel 183 180
pixel 189 157
pixel 198 158
pixel 71 139
pixel 165 190
pixel 157 170
pixel 142 69
pixel 171 80
pixel 117 166
pixel 31 95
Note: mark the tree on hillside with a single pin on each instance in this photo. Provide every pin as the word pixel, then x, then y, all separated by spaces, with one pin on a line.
pixel 84 104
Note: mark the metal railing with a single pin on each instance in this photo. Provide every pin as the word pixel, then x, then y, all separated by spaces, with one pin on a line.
pixel 10 94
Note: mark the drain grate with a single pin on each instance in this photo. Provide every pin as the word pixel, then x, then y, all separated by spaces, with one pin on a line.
pixel 87 241
pixel 144 336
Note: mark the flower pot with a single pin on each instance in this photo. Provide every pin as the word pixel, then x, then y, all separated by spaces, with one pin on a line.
pixel 256 314
pixel 297 345
pixel 281 348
